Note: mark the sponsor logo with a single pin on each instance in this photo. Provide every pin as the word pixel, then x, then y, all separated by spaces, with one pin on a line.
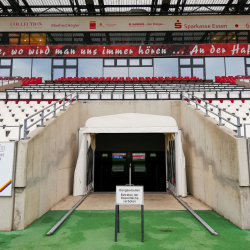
pixel 178 25
pixel 92 25
pixel 26 24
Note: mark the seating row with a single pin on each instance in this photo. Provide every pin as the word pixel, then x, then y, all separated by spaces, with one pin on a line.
pixel 229 79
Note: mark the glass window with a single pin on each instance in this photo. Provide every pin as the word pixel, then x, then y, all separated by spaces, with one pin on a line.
pixel 58 62
pixel 235 66
pixel 248 71
pixel 141 72
pixel 198 61
pixel 248 60
pixel 109 62
pixel 70 73
pixel 134 62
pixel 13 40
pixel 118 168
pixel 138 157
pixel 5 62
pixel 185 61
pixel 41 68
pixel 119 157
pixel 122 62
pixel 147 62
pixel 140 168
pixel 57 73
pixel 115 72
pixel 90 67
pixel 198 72
pixel 4 72
pixel 166 67
pixel 70 62
pixel 214 67
pixel 21 67
pixel 38 38
pixel 25 38
pixel 186 72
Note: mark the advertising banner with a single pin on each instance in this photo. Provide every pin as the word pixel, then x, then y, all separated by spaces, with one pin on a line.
pixel 6 168
pixel 125 23
pixel 125 50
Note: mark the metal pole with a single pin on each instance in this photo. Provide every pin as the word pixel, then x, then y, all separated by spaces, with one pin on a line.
pixel 211 230
pixel 142 223
pixel 206 110
pixel 118 219
pixel 42 119
pixel 116 224
pixel 59 223
pixel 25 129
pixel 130 174
pixel 220 123
pixel 64 104
pixel 54 110
pixel 196 105
pixel 238 126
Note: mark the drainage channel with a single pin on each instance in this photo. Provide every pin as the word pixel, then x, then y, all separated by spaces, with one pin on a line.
pixel 210 229
pixel 60 222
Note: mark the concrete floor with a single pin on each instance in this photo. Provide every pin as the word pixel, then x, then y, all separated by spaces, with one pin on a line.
pixel 97 201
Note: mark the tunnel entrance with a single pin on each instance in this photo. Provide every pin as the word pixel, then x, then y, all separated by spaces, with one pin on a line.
pixel 116 153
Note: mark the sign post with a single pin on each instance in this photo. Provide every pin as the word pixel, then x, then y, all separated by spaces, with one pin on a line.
pixel 128 195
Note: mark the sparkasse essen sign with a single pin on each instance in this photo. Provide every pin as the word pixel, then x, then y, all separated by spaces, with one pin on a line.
pixel 124 50
pixel 125 23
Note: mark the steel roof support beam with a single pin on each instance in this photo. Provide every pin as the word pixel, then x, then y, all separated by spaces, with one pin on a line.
pixel 101 7
pixel 73 6
pixel 183 6
pixel 228 5
pixel 177 7
pixel 154 6
pixel 240 6
pixel 15 6
pixel 165 7
pixel 90 7
pixel 3 7
pixel 28 7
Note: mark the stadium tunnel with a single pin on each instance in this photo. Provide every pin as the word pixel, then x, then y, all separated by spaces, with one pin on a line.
pixel 146 147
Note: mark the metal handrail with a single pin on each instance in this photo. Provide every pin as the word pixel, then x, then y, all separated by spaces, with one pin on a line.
pixel 43 116
pixel 238 125
pixel 245 132
pixel 20 127
pixel 16 78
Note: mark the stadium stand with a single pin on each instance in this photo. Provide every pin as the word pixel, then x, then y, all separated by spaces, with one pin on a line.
pixel 224 100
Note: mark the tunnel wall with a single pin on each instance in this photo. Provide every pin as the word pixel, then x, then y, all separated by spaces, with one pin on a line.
pixel 45 167
pixel 217 167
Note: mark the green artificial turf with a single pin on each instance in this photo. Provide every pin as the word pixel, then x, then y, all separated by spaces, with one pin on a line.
pixel 95 230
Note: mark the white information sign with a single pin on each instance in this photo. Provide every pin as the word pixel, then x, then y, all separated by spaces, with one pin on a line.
pixel 6 167
pixel 129 195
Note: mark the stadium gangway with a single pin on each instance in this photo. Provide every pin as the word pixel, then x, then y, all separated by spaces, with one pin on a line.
pixel 9 80
pixel 196 100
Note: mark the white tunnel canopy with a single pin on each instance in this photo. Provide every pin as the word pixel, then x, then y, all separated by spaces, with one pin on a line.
pixel 131 123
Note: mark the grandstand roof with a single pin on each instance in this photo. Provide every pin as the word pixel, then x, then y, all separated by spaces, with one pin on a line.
pixel 122 7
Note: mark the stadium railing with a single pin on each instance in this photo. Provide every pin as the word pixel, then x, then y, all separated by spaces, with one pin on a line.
pixel 9 80
pixel 197 101
pixel 68 99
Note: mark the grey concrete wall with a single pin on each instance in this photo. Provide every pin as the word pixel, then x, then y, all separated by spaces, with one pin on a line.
pixel 217 166
pixel 45 167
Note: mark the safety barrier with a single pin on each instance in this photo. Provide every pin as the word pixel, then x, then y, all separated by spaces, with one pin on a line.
pixel 64 101
pixel 196 100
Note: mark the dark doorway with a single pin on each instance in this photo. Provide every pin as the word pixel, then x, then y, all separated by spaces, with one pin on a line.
pixel 116 152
